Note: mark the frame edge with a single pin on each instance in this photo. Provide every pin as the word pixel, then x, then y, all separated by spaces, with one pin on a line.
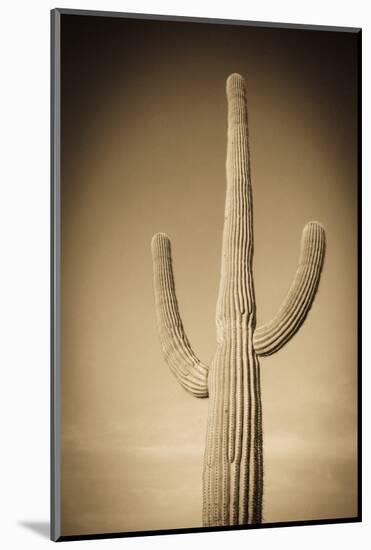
pixel 55 482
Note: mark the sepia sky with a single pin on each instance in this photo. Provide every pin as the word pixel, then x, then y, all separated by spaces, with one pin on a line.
pixel 143 150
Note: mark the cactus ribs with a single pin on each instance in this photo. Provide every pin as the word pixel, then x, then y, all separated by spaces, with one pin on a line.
pixel 233 462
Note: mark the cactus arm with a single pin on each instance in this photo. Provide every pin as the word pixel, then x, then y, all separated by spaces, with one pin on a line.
pixel 272 336
pixel 189 370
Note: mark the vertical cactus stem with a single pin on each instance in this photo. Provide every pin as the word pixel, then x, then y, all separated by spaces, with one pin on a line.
pixel 272 336
pixel 233 448
pixel 236 288
pixel 189 370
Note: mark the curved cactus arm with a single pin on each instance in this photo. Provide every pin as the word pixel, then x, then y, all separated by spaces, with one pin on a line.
pixel 272 336
pixel 189 370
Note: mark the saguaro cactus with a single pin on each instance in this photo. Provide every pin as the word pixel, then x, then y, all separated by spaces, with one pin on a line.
pixel 233 461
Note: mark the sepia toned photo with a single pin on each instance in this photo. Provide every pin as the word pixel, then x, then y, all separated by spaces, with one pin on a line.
pixel 206 186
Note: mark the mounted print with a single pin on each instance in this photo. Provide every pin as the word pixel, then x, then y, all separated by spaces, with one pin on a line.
pixel 205 294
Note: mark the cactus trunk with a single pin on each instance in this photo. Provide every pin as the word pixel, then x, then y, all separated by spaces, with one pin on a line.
pixel 233 465
pixel 233 461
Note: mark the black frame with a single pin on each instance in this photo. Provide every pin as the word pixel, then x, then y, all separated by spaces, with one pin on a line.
pixel 55 256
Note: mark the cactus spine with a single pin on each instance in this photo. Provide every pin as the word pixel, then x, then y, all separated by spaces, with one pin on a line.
pixel 233 461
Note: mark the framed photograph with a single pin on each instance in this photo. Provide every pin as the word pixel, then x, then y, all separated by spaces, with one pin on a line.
pixel 206 192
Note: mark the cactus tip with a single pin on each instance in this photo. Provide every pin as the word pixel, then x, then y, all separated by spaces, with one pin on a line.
pixel 235 80
pixel 159 239
pixel 314 223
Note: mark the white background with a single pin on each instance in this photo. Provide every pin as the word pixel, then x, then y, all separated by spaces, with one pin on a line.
pixel 24 257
